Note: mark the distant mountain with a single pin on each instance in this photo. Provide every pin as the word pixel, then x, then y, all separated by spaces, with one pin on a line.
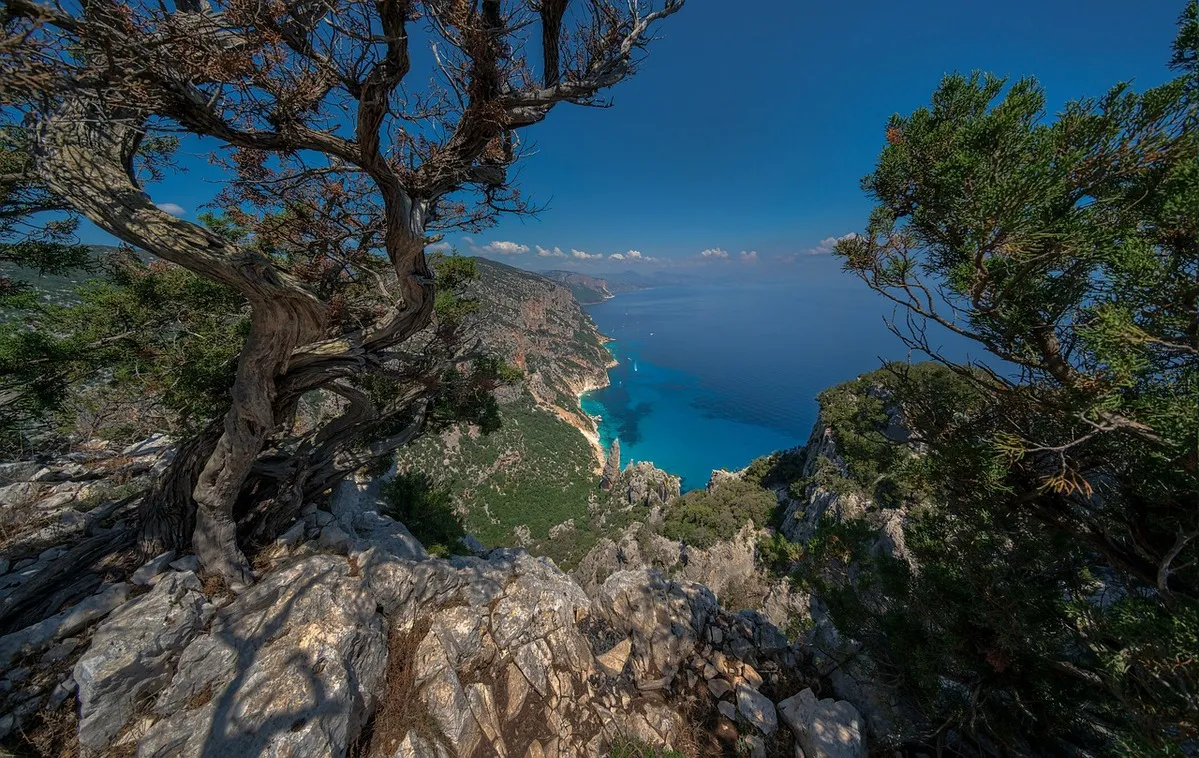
pixel 587 289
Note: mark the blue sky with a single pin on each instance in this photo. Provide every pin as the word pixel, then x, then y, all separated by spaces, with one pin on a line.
pixel 749 131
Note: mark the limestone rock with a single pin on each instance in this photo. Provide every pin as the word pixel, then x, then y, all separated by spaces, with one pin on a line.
pixel 612 662
pixel 824 728
pixel 152 568
pixel 63 624
pixel 611 467
pixel 719 688
pixel 643 485
pixel 720 476
pixel 333 538
pixel 291 667
pixel 18 471
pixel 666 619
pixel 186 563
pixel 132 652
pixel 757 709
pixel 415 746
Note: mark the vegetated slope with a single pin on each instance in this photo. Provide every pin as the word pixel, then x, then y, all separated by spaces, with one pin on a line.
pixel 540 469
pixel 60 289
pixel 538 326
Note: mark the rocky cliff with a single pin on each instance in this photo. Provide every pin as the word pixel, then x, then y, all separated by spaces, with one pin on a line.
pixel 537 325
pixel 585 288
pixel 355 642
pixel 540 469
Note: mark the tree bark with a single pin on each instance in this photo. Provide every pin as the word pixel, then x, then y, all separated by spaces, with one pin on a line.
pixel 85 154
pixel 168 513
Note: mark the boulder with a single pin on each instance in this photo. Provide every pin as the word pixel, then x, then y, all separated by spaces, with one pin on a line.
pixel 132 654
pixel 757 709
pixel 612 662
pixel 291 667
pixel 824 728
pixel 665 619
pixel 18 471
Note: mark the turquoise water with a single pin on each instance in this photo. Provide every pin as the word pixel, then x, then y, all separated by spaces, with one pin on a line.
pixel 713 376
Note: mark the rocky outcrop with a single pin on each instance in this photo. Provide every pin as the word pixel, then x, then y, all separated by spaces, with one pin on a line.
pixel 611 467
pixel 292 667
pixel 133 653
pixel 852 674
pixel 366 641
pixel 717 567
pixel 537 325
pixel 643 485
pixel 801 515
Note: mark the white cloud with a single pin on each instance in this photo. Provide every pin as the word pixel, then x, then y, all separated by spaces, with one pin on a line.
pixel 555 253
pixel 585 256
pixel 172 208
pixel 633 256
pixel 715 253
pixel 828 243
pixel 749 257
pixel 439 247
pixel 503 247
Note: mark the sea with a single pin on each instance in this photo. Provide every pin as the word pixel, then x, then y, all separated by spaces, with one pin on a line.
pixel 713 375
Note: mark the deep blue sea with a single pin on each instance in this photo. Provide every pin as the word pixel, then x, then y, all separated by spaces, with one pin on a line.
pixel 714 375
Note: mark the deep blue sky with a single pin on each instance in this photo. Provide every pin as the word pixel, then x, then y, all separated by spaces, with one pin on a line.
pixel 749 126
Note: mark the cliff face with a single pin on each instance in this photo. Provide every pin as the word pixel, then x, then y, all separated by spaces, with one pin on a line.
pixel 540 469
pixel 537 325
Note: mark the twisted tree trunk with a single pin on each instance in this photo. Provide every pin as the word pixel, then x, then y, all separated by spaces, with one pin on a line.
pixel 168 513
pixel 85 154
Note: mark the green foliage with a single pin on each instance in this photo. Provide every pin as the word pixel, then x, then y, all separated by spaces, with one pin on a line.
pixel 534 469
pixel 156 331
pixel 1055 602
pixel 453 272
pixel 426 509
pixel 703 517
pixel 779 468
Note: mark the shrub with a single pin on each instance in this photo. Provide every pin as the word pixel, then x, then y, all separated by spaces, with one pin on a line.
pixel 702 518
pixel 426 509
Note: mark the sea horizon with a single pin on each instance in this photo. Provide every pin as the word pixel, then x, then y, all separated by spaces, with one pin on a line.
pixel 713 375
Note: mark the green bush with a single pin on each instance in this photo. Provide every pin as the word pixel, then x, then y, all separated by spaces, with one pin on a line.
pixel 702 518
pixel 426 509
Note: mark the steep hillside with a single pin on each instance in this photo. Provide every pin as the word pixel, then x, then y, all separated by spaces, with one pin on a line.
pixel 59 288
pixel 538 326
pixel 533 480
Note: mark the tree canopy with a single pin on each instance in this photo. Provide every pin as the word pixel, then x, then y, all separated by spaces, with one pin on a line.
pixel 342 165
pixel 1057 587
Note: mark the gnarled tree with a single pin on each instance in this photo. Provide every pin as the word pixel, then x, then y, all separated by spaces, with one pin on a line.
pixel 345 163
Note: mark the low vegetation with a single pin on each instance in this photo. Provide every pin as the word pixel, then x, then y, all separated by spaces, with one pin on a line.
pixel 535 471
pixel 705 517
pixel 426 509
